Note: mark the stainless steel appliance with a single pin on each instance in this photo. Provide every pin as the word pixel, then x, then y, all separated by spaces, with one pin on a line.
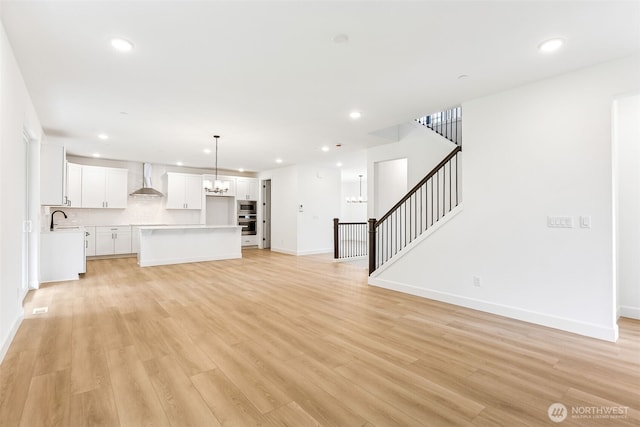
pixel 248 224
pixel 246 207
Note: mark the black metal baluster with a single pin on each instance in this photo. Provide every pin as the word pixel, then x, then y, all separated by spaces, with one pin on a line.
pixel 450 178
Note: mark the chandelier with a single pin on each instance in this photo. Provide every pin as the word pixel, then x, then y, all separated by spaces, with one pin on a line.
pixel 358 199
pixel 219 187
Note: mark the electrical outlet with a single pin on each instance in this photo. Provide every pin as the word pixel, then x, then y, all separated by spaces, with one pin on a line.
pixel 476 281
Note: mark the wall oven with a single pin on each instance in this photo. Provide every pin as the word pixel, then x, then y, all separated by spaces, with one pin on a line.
pixel 248 224
pixel 246 207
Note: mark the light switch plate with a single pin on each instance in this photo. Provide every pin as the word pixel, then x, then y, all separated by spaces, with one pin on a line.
pixel 560 222
pixel 585 222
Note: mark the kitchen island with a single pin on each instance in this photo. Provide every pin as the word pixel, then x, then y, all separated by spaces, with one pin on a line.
pixel 177 244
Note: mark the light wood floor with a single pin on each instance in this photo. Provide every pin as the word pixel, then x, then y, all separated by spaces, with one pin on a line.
pixel 292 341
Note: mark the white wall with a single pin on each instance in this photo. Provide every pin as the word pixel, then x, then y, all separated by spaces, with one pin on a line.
pixel 538 150
pixel 627 193
pixel 353 212
pixel 422 148
pixel 318 191
pixel 284 209
pixel 390 184
pixel 16 112
pixel 319 194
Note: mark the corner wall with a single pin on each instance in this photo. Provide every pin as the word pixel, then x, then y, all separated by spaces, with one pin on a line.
pixel 538 150
pixel 308 231
pixel 627 197
pixel 16 113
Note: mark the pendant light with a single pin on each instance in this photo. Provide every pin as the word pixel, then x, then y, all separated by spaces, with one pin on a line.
pixel 219 187
pixel 358 199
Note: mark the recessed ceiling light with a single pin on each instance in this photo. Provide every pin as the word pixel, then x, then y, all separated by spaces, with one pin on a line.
pixel 278 160
pixel 551 45
pixel 103 136
pixel 325 148
pixel 240 170
pixel 96 154
pixel 355 115
pixel 207 151
pixel 339 164
pixel 121 44
pixel 179 163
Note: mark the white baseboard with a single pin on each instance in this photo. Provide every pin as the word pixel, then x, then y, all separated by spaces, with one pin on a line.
pixel 164 261
pixel 629 312
pixel 10 336
pixel 564 324
pixel 283 251
pixel 315 252
pixel 302 253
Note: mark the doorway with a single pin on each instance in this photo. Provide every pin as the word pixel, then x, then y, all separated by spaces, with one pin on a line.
pixel 626 180
pixel 266 214
pixel 25 214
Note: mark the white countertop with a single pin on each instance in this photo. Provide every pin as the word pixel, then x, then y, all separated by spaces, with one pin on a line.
pixel 182 227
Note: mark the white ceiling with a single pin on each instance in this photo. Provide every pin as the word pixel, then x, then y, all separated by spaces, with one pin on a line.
pixel 268 77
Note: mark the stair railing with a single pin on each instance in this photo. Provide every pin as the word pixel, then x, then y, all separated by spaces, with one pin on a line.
pixel 437 194
pixel 447 123
pixel 350 239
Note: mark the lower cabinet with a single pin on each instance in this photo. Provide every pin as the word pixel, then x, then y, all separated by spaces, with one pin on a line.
pixel 113 240
pixel 250 240
pixel 90 241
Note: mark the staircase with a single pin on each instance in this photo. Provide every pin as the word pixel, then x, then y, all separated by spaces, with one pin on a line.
pixel 427 203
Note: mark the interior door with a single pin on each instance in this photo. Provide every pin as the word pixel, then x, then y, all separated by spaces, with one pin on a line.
pixel 266 214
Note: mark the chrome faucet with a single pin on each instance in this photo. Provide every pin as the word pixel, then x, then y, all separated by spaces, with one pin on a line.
pixel 52 213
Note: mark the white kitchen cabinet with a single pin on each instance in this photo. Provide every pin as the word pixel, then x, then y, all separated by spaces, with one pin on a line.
pixel 247 189
pixel 90 241
pixel 52 175
pixel 250 240
pixel 104 187
pixel 184 191
pixel 113 240
pixel 209 180
pixel 73 192
pixel 62 255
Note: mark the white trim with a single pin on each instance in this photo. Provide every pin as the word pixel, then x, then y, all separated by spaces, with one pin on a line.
pixel 629 312
pixel 11 335
pixel 435 227
pixel 283 251
pixel 164 261
pixel 315 252
pixel 303 253
pixel 562 323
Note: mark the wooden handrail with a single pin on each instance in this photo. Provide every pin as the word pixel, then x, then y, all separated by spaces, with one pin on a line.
pixel 420 184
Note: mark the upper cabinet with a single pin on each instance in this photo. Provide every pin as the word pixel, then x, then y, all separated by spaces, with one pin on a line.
pixel 73 193
pixel 52 175
pixel 104 187
pixel 184 191
pixel 247 189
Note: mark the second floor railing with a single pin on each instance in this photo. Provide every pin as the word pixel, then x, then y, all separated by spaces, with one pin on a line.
pixel 447 123
pixel 350 239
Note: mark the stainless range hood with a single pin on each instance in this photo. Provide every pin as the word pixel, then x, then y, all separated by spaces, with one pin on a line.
pixel 146 189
